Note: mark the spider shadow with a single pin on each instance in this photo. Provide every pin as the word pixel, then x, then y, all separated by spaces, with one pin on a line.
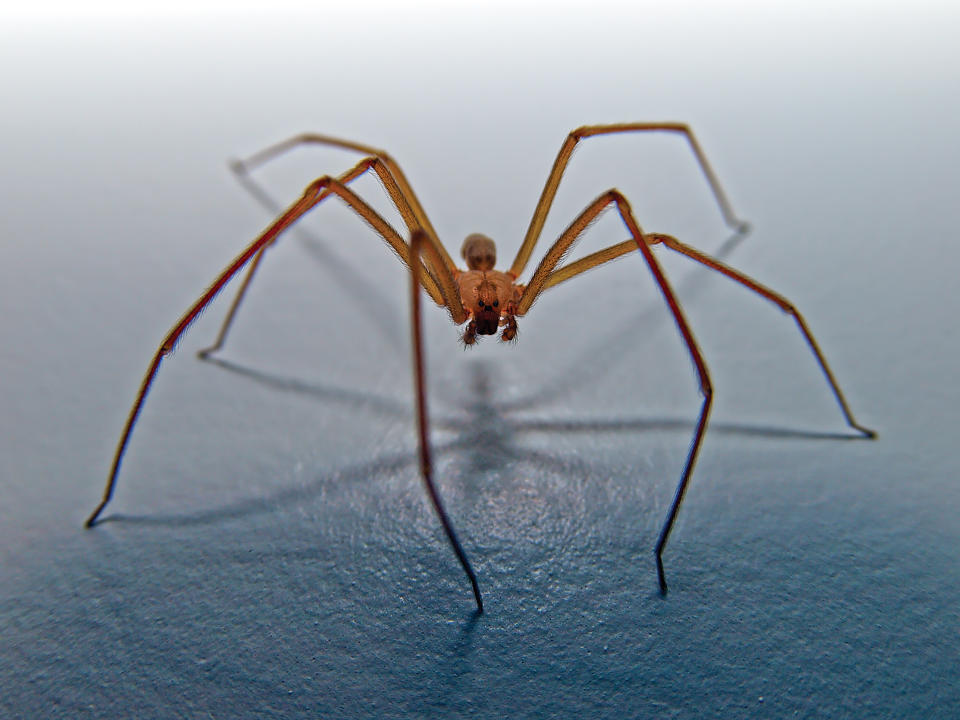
pixel 486 434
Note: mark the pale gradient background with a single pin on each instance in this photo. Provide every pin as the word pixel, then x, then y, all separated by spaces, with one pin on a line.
pixel 271 552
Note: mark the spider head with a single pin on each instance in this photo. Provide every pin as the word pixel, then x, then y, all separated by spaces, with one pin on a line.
pixel 480 252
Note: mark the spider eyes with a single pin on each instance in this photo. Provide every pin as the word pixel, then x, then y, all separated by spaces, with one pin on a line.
pixel 496 303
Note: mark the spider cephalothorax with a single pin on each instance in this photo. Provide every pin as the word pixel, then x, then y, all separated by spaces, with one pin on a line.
pixel 489 296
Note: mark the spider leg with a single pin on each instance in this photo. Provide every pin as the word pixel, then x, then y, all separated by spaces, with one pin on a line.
pixel 782 303
pixel 395 182
pixel 538 283
pixel 614 251
pixel 315 192
pixel 547 275
pixel 346 178
pixel 294 212
pixel 419 242
pixel 399 192
pixel 563 158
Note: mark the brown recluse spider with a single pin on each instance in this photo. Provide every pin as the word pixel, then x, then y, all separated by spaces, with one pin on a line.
pixel 480 296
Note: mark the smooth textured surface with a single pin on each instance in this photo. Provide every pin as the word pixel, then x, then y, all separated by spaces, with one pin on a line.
pixel 270 551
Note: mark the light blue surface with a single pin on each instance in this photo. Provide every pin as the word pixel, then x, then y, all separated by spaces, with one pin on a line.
pixel 270 552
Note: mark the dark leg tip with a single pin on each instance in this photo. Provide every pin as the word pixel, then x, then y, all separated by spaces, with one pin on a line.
pixel 661 577
pixel 92 520
pixel 476 593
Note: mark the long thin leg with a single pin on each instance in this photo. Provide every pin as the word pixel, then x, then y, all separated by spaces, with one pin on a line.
pixel 589 262
pixel 563 157
pixel 410 208
pixel 421 241
pixel 556 253
pixel 346 178
pixel 779 300
pixel 315 193
pixel 615 341
pixel 614 251
pixel 166 347
pixel 537 283
pixel 374 162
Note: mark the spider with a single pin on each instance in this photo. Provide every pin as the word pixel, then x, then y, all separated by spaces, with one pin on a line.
pixel 482 299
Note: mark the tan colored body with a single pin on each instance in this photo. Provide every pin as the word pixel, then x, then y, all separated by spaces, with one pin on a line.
pixel 489 296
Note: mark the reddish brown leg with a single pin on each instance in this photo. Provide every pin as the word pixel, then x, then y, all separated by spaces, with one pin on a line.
pixel 307 201
pixel 539 281
pixel 614 251
pixel 315 193
pixel 566 152
pixel 420 242
pixel 402 202
pixel 779 300
pixel 394 180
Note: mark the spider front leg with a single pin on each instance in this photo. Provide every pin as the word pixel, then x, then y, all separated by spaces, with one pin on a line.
pixel 539 282
pixel 420 242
